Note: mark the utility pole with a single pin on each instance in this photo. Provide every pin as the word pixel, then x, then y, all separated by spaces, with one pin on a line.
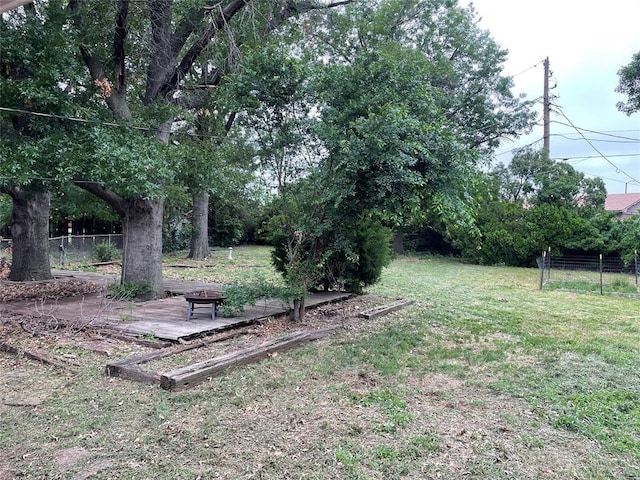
pixel 546 108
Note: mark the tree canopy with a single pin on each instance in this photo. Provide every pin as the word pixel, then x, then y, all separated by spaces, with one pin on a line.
pixel 533 204
pixel 372 113
pixel 629 85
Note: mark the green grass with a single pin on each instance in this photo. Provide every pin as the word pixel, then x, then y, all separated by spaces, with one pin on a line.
pixel 617 285
pixel 484 377
pixel 248 264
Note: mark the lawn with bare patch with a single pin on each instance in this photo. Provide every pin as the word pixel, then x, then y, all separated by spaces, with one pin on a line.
pixel 483 377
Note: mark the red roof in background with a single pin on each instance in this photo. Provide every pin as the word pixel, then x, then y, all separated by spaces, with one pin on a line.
pixel 617 202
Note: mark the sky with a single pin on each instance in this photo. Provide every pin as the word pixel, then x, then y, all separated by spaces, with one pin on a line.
pixel 586 43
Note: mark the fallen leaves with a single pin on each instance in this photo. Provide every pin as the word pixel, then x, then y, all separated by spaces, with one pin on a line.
pixel 47 289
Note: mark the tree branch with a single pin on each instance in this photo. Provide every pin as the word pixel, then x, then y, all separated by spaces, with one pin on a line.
pixel 119 40
pixel 223 17
pixel 118 203
pixel 12 191
pixel 162 62
pixel 116 99
pixel 217 23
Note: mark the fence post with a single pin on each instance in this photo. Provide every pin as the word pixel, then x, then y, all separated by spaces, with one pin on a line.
pixel 635 254
pixel 601 290
pixel 549 264
pixel 542 267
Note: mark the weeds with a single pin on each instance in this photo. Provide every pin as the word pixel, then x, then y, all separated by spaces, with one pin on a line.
pixel 485 377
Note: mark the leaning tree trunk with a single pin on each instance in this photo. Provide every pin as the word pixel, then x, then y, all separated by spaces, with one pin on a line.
pixel 30 236
pixel 142 259
pixel 200 227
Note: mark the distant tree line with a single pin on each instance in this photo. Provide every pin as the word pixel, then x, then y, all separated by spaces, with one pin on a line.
pixel 535 204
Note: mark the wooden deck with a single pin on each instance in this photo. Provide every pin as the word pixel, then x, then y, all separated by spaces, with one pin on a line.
pixel 165 318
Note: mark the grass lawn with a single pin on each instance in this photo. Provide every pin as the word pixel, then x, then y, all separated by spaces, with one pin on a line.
pixel 483 377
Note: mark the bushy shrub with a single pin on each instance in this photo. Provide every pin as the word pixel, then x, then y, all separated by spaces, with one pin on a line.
pixel 353 254
pixel 129 290
pixel 106 252
pixel 360 263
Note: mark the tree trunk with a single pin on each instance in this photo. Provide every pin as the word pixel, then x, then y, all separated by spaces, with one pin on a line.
pixel 142 259
pixel 297 313
pixel 30 236
pixel 200 227
pixel 398 243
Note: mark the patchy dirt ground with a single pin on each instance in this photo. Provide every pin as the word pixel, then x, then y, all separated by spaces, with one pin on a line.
pixel 49 339
pixel 263 423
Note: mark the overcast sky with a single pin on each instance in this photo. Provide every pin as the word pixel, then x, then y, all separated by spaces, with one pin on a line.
pixel 587 43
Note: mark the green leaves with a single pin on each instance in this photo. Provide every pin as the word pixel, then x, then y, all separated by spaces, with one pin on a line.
pixel 533 178
pixel 129 162
pixel 629 85
pixel 390 146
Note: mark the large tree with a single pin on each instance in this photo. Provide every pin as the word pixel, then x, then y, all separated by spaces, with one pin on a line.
pixel 404 107
pixel 424 100
pixel 175 43
pixel 36 72
pixel 145 62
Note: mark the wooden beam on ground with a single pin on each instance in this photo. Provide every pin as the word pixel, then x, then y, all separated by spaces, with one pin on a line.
pixel 135 339
pixel 129 367
pixel 385 309
pixel 195 374
pixel 34 355
pixel 104 264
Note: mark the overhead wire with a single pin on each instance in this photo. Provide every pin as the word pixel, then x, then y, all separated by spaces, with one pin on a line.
pixel 600 154
pixel 604 134
pixel 103 123
pixel 565 136
pixel 527 69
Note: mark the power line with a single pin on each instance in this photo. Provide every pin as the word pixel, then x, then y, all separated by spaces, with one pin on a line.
pixel 75 119
pixel 571 124
pixel 104 124
pixel 527 69
pixel 519 148
pixel 604 134
pixel 595 139
pixel 597 156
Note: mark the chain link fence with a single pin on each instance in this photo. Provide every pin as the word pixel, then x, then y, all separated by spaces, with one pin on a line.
pixel 603 275
pixel 70 248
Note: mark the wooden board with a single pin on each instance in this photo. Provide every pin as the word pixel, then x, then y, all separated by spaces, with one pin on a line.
pixel 197 373
pixel 34 355
pixel 129 367
pixel 384 309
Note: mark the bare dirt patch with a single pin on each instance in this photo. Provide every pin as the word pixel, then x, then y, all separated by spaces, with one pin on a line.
pixel 66 342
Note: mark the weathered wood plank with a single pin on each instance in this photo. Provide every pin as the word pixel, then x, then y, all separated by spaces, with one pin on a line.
pixel 197 373
pixel 385 309
pixel 134 339
pixel 133 373
pixel 34 355
pixel 129 367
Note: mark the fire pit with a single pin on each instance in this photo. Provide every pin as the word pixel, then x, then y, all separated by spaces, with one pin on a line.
pixel 204 297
